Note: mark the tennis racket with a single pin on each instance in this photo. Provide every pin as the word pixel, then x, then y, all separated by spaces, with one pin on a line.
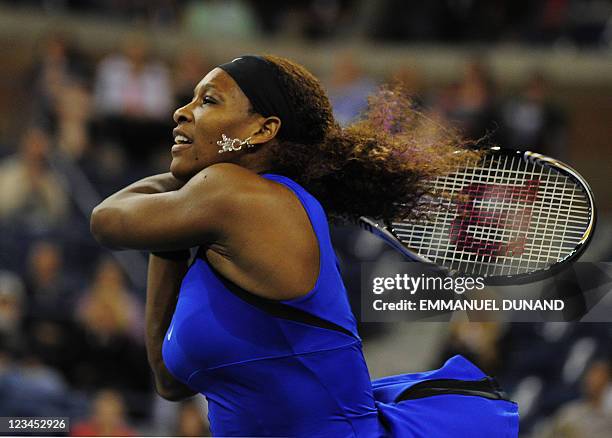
pixel 511 218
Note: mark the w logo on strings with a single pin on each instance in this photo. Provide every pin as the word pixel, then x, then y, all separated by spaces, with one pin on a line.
pixel 493 219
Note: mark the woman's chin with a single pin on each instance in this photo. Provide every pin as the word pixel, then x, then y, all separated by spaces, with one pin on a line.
pixel 184 171
pixel 180 172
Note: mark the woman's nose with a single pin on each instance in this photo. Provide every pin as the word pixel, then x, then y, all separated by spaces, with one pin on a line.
pixel 182 115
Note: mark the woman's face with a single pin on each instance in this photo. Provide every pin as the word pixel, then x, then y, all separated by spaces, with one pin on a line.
pixel 219 107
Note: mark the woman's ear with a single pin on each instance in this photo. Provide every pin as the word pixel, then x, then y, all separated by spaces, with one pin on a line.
pixel 268 129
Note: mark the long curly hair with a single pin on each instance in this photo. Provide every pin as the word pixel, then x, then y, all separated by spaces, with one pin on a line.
pixel 379 165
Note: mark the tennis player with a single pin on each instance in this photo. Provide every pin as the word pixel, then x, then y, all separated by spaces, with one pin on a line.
pixel 259 321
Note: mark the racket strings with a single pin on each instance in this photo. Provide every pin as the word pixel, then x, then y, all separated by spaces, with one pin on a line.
pixel 503 217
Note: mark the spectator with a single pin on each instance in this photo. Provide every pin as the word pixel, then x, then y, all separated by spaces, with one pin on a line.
pixel 107 417
pixel 50 292
pixel 59 66
pixel 132 84
pixel 473 108
pixel 110 321
pixel 477 341
pixel 531 121
pixel 74 114
pixel 29 388
pixel 12 301
pixel 133 98
pixel 50 329
pixel 587 416
pixel 109 307
pixel 31 191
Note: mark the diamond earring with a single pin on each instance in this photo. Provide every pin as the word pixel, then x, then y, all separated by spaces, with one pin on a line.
pixel 233 144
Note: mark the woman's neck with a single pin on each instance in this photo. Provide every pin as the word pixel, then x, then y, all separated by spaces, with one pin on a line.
pixel 258 162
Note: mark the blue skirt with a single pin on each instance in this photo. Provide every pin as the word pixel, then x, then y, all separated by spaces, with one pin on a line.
pixel 457 400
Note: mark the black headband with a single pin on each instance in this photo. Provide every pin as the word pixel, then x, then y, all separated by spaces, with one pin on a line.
pixel 259 81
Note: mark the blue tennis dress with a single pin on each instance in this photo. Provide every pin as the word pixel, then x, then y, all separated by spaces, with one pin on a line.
pixel 295 368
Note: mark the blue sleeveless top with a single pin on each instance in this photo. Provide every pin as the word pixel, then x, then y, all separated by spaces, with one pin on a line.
pixel 270 376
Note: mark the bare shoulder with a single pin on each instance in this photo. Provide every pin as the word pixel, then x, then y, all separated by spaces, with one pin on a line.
pixel 237 192
pixel 230 178
pixel 269 247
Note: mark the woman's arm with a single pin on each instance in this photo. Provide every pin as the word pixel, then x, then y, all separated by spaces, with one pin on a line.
pixel 101 217
pixel 161 183
pixel 160 213
pixel 163 284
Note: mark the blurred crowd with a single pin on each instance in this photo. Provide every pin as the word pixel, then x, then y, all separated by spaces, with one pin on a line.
pixel 559 22
pixel 71 314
